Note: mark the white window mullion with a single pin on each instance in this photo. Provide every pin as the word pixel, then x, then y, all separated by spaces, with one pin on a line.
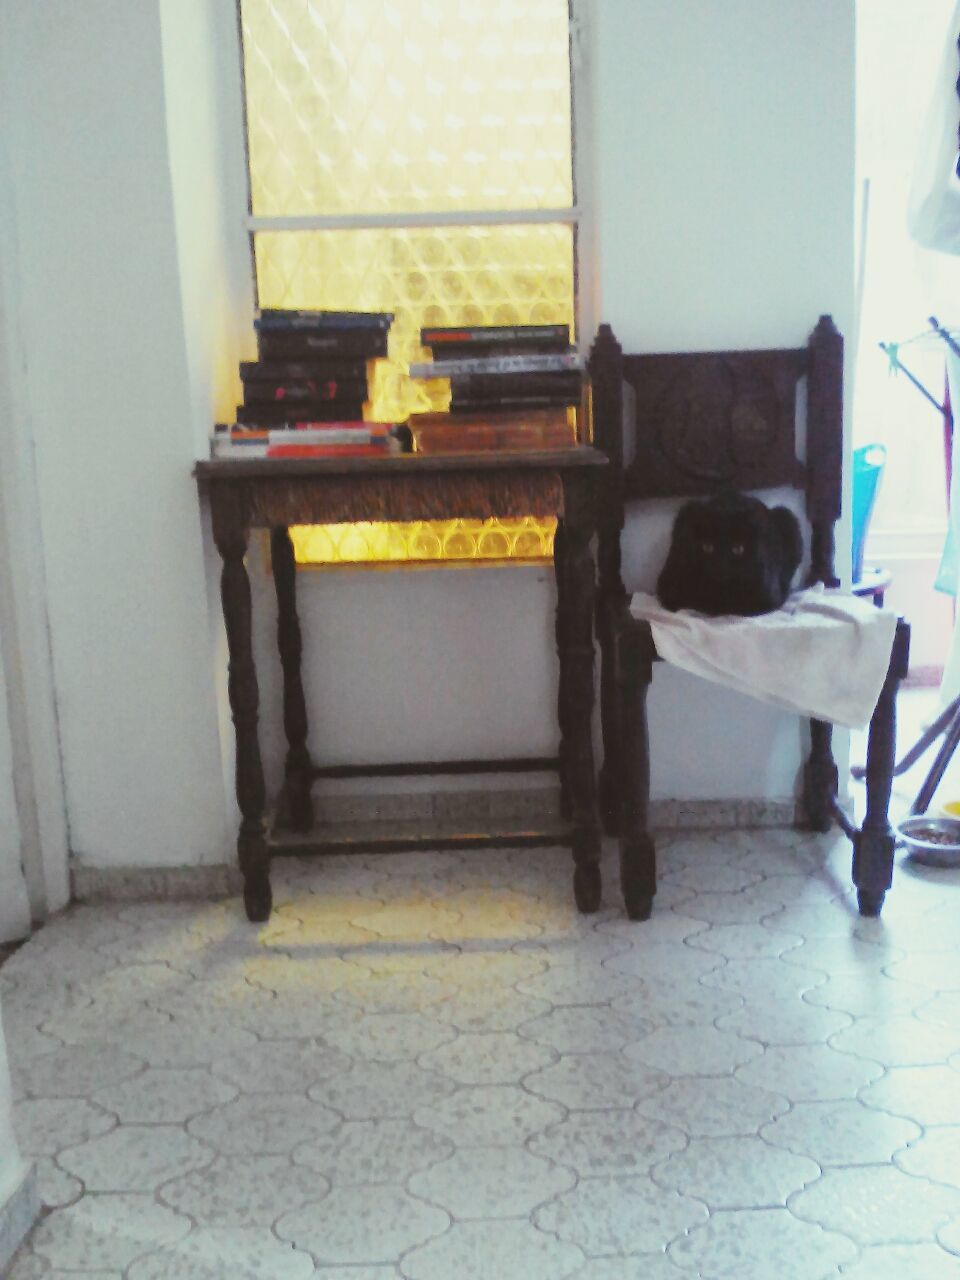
pixel 373 221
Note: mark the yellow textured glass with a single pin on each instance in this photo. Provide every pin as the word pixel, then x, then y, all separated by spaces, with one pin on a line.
pixel 413 106
pixel 401 106
pixel 425 276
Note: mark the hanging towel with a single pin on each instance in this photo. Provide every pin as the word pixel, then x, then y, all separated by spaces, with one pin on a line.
pixel 825 654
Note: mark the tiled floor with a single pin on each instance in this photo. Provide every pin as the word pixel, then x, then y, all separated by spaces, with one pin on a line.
pixel 430 1067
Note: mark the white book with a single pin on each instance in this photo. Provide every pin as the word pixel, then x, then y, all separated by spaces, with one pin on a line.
pixel 498 364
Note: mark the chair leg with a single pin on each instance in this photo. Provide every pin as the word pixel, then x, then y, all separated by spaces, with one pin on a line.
pixel 820 778
pixel 609 776
pixel 874 843
pixel 638 864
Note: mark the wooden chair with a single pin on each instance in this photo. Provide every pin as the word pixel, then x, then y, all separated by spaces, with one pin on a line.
pixel 705 421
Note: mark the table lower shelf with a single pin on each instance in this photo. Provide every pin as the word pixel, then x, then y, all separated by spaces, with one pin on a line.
pixel 404 836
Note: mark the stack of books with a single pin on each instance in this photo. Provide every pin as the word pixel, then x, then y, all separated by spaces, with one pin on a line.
pixel 304 396
pixel 511 387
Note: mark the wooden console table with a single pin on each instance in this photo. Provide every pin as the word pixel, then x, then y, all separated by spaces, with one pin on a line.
pixel 277 493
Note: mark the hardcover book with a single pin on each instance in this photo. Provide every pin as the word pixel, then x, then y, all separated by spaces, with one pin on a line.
pixel 276 318
pixel 270 415
pixel 543 363
pixel 307 391
pixel 306 344
pixel 281 371
pixel 496 335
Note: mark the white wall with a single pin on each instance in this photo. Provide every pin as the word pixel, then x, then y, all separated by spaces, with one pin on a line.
pixel 107 377
pixel 11 1165
pixel 723 151
pixel 725 204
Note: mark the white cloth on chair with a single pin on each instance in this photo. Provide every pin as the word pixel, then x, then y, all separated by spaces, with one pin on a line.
pixel 825 654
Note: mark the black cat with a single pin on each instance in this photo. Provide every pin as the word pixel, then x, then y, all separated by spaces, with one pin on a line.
pixel 730 554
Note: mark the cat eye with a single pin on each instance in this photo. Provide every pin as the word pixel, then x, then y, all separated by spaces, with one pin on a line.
pixel 707 547
pixel 737 548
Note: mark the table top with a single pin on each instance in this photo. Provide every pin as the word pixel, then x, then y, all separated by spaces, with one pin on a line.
pixel 398 464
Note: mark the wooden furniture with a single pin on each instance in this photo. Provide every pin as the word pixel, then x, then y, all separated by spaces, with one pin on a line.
pixel 702 422
pixel 277 493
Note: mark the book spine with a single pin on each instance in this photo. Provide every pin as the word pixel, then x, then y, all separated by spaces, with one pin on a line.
pixel 281 371
pixel 311 391
pixel 478 404
pixel 331 450
pixel 498 364
pixel 494 335
pixel 525 384
pixel 276 415
pixel 275 318
pixel 303 345
pixel 478 350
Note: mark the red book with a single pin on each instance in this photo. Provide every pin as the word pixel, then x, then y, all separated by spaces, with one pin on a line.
pixel 326 451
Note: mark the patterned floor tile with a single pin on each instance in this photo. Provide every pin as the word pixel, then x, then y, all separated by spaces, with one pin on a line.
pixel 492 1009
pixel 758 1244
pixel 491 1182
pixel 735 1173
pixel 57 1188
pixel 600 1144
pixel 164 1095
pixel 694 1051
pixel 363 1153
pixel 135 1158
pixel 45 1126
pixel 840 1133
pixel 619 1215
pixel 290 1066
pixel 376 1227
pixel 241 1254
pixel 373 1090
pixel 877 1205
pixel 478 1250
pixel 436 1037
pixel 106 1232
pixel 783 1022
pixel 935 1156
pixel 898 1262
pixel 252 1125
pixel 809 1072
pixel 76 1071
pixel 388 1037
pixel 243 1191
pixel 713 1107
pixel 583 1029
pixel 492 1058
pixel 928 1095
pixel 590 1080
pixel 496 1115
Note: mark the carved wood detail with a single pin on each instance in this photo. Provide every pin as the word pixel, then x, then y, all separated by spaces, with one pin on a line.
pixel 297 806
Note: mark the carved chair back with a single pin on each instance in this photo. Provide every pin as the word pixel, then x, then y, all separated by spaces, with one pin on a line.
pixel 705 421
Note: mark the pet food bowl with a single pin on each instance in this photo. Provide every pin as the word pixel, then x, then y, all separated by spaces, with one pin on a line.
pixel 932 841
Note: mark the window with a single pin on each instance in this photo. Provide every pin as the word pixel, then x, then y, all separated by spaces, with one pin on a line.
pixel 413 156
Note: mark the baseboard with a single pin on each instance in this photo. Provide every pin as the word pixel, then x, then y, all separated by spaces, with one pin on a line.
pixel 153 884
pixel 17 1216
pixel 669 815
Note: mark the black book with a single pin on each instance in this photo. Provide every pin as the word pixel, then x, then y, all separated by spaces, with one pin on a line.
pixel 282 320
pixel 280 371
pixel 478 350
pixel 306 391
pixel 466 404
pixel 274 415
pixel 488 386
pixel 527 336
pixel 303 345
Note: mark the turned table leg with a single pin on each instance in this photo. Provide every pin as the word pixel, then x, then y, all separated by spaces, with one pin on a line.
pixel 575 608
pixel 296 808
pixel 252 852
